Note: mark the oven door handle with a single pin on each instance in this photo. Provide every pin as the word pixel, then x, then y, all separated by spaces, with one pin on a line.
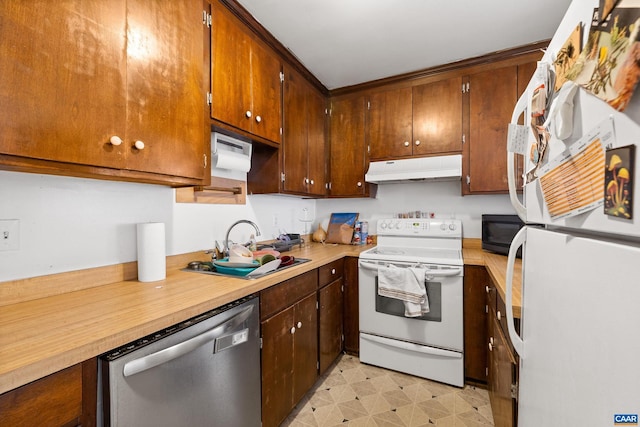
pixel 428 272
pixel 411 346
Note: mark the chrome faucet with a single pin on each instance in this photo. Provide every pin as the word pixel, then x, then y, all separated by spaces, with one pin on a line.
pixel 226 240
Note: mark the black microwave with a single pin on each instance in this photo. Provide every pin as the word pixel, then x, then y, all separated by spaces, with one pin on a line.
pixel 498 231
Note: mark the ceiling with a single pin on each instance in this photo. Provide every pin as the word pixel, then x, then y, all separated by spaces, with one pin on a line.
pixel 347 42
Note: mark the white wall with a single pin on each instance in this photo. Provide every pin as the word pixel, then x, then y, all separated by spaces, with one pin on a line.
pixel 73 223
pixel 442 198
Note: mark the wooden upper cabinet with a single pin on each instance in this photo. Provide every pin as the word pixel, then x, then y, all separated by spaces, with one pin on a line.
pixel 389 126
pixel 245 78
pixel 348 156
pixel 416 121
pixel 304 136
pixel 73 75
pixel 165 102
pixel 437 117
pixel 492 97
pixel 63 81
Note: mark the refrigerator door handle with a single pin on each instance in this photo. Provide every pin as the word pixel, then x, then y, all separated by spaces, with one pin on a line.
pixel 520 108
pixel 518 240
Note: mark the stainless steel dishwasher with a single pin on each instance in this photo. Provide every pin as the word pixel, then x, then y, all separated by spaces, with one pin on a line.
pixel 202 372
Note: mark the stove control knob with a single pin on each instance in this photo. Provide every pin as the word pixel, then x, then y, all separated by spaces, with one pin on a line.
pixel 383 225
pixel 452 227
pixel 443 226
pixel 398 225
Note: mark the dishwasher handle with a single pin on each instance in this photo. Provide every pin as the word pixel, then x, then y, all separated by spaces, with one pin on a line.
pixel 163 356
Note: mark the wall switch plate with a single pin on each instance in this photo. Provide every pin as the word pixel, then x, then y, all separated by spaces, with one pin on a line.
pixel 9 234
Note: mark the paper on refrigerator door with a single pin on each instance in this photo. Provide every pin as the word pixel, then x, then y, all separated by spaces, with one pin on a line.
pixel 573 183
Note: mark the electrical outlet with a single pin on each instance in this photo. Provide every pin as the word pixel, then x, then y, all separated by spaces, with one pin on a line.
pixel 9 234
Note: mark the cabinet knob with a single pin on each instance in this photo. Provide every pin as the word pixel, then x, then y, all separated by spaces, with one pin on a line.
pixel 486 289
pixel 299 325
pixel 333 271
pixel 139 145
pixel 293 329
pixel 491 340
pixel 248 114
pixel 417 142
pixel 359 184
pixel 490 347
pixel 258 119
pixel 115 140
pixel 311 182
pixel 499 315
pixel 406 143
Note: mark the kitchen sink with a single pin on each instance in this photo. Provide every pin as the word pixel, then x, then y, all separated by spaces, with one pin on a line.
pixel 196 267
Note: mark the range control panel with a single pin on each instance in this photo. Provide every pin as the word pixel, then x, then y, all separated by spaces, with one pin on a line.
pixel 450 228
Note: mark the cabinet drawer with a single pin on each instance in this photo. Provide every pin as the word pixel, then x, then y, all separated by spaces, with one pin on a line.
pixel 52 400
pixel 282 295
pixel 330 272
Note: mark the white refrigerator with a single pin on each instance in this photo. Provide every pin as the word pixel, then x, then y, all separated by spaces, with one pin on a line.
pixel 579 342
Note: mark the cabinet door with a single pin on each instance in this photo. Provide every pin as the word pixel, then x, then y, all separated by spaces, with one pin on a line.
pixel 388 131
pixel 502 372
pixel 437 117
pixel 277 367
pixel 305 348
pixel 62 80
pixel 316 143
pixel 295 132
pixel 330 338
pixel 475 323
pixel 165 100
pixel 266 87
pixel 347 147
pixel 492 96
pixel 230 69
pixel 350 316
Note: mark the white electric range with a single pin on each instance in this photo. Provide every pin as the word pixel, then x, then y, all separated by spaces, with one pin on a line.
pixel 431 345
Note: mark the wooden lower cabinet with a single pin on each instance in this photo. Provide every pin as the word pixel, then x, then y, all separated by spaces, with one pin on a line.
pixel 502 364
pixel 330 302
pixel 350 312
pixel 66 398
pixel 475 324
pixel 289 322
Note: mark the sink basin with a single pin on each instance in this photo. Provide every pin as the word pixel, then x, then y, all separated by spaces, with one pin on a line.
pixel 194 268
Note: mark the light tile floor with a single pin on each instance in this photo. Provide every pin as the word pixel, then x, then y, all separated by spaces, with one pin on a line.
pixel 355 394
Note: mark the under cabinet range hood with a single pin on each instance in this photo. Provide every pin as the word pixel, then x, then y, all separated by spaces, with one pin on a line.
pixel 440 168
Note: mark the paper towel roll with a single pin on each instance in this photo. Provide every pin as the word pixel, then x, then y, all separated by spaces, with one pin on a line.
pixel 151 252
pixel 231 160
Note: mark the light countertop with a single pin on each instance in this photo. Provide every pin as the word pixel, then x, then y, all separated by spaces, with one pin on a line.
pixel 53 322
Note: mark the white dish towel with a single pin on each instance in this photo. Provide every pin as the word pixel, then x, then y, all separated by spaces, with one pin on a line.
pixel 407 285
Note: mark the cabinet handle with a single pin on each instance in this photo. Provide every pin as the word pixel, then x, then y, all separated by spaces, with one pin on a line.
pixel 139 145
pixel 417 142
pixel 258 119
pixel 115 140
pixel 499 315
pixel 333 271
pixel 248 114
pixel 487 289
pixel 359 184
pixel 491 340
pixel 311 182
pixel 299 325
pixel 293 329
pixel 406 143
pixel 490 347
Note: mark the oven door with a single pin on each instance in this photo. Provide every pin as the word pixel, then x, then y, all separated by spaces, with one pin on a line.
pixel 442 327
